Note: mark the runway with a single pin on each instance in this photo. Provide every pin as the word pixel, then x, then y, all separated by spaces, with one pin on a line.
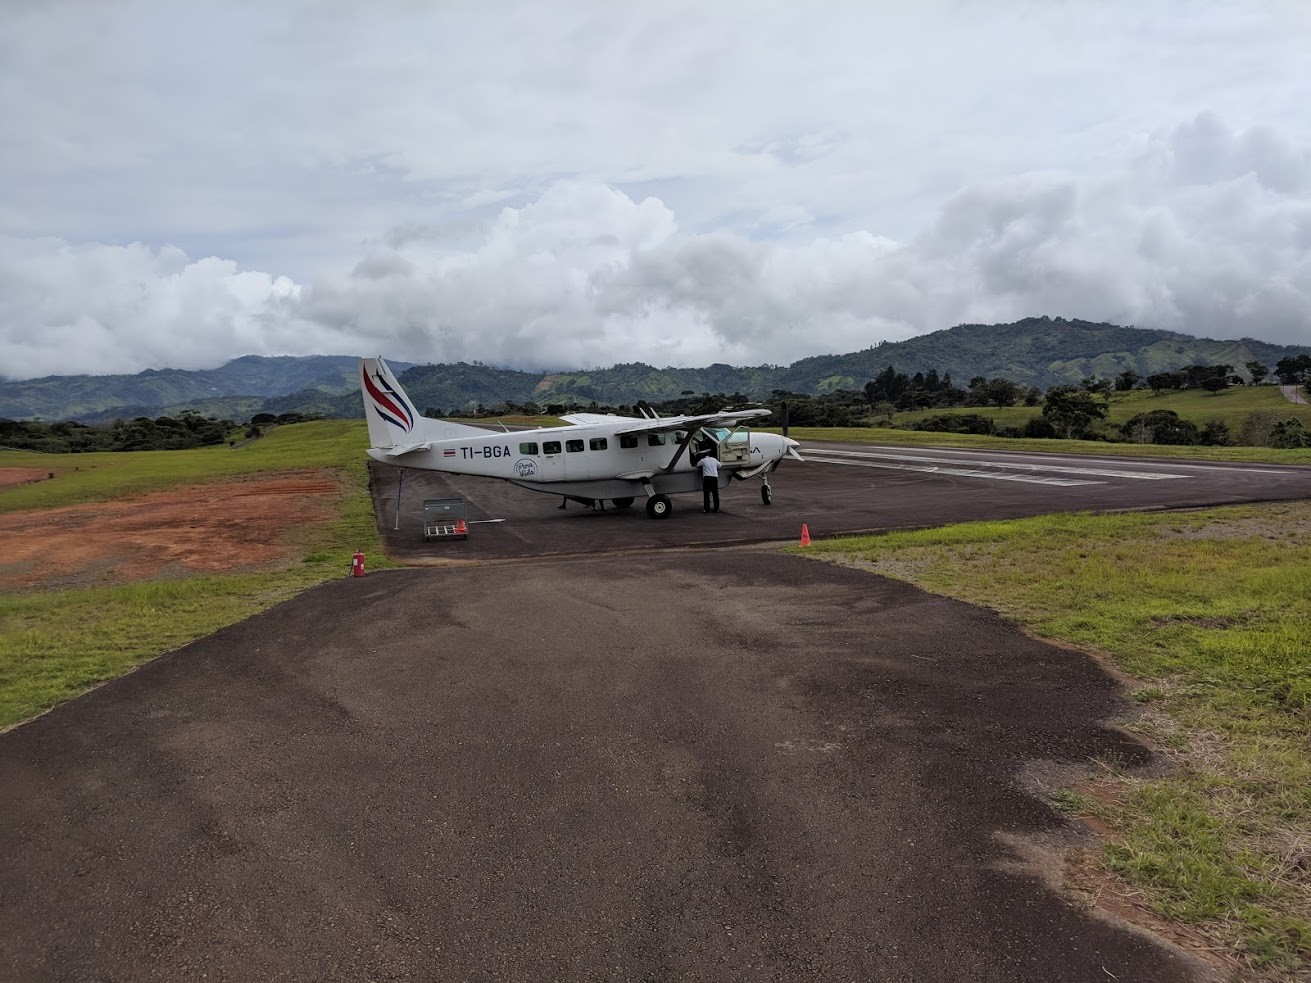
pixel 842 488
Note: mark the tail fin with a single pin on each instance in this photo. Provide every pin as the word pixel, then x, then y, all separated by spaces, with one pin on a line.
pixel 393 420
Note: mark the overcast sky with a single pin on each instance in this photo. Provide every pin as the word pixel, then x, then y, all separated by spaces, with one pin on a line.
pixel 555 184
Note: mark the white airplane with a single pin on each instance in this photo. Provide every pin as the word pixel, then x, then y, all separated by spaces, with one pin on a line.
pixel 598 457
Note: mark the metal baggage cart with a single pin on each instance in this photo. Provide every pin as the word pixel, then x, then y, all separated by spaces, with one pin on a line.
pixel 445 518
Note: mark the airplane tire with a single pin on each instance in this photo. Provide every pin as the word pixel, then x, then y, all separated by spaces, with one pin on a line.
pixel 766 494
pixel 658 506
pixel 623 503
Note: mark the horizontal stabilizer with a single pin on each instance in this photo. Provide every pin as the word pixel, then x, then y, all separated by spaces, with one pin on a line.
pixel 400 450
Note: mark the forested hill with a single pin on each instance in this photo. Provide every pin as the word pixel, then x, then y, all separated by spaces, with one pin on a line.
pixel 1038 351
pixel 83 397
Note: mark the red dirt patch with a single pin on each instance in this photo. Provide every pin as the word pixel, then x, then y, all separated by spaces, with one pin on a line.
pixel 21 476
pixel 212 528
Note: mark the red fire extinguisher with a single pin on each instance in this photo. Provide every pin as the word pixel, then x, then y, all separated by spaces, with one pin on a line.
pixel 357 564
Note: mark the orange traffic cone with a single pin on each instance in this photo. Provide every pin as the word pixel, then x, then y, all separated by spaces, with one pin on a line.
pixel 805 535
pixel 460 528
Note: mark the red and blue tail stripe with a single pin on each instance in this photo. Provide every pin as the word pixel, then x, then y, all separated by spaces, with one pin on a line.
pixel 388 403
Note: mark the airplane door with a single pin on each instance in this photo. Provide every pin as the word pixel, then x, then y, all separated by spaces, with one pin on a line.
pixel 551 463
pixel 736 447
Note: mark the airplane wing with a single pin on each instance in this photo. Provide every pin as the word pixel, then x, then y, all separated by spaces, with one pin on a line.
pixel 669 424
pixel 584 419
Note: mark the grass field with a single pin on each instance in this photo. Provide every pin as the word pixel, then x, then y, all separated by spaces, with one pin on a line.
pixel 1231 407
pixel 56 644
pixel 335 444
pixel 915 438
pixel 1210 611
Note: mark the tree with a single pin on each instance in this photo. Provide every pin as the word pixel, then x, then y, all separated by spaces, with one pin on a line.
pixel 1161 427
pixel 1291 371
pixel 1256 371
pixel 1039 426
pixel 1071 410
pixel 1288 434
pixel 1215 434
pixel 1001 392
pixel 1256 427
pixel 1126 380
pixel 1160 381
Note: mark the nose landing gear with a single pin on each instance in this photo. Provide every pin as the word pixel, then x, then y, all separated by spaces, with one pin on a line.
pixel 658 506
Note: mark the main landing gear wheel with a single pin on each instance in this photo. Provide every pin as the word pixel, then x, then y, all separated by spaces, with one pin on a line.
pixel 766 494
pixel 623 503
pixel 658 506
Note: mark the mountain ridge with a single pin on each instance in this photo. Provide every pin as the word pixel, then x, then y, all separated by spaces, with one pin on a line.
pixel 1037 351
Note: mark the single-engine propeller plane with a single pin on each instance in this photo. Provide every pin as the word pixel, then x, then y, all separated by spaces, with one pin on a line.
pixel 597 458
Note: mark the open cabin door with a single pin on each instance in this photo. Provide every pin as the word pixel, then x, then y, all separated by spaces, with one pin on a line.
pixel 735 447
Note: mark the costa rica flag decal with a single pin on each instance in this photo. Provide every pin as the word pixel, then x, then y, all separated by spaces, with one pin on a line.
pixel 388 403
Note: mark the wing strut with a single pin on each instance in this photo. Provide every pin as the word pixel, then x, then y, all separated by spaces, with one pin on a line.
pixel 673 462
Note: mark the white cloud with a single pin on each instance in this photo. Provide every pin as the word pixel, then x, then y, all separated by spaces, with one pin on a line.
pixel 587 276
pixel 585 182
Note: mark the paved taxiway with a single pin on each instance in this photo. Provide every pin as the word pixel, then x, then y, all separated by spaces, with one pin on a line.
pixel 721 765
pixel 687 764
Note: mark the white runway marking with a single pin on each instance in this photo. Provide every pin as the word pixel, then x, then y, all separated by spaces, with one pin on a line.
pixel 1032 479
pixel 1030 473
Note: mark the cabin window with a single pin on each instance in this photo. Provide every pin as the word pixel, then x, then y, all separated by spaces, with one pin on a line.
pixel 655 439
pixel 628 441
pixel 551 447
pixel 573 446
pixel 680 436
pixel 597 444
pixel 529 447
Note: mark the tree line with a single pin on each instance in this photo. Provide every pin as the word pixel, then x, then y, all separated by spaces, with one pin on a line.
pixel 185 431
pixel 1068 411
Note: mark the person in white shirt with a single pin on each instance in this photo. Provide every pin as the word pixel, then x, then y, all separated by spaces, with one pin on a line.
pixel 709 467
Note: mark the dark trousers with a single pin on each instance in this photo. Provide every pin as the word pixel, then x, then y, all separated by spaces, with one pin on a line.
pixel 710 492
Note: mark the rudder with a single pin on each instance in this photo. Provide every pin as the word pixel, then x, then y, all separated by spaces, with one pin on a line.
pixel 391 416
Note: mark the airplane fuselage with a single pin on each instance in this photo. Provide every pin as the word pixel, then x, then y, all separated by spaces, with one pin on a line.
pixel 588 460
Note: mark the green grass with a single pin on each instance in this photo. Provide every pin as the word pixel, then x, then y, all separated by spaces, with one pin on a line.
pixel 916 438
pixel 337 444
pixel 56 644
pixel 1211 611
pixel 1231 407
